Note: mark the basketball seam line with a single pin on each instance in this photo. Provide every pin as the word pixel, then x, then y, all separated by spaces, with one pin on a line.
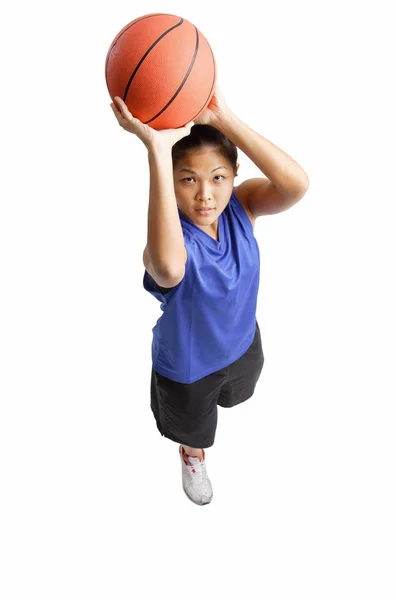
pixel 211 89
pixel 127 29
pixel 183 82
pixel 146 53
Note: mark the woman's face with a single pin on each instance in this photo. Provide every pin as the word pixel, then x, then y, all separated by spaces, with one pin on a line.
pixel 203 179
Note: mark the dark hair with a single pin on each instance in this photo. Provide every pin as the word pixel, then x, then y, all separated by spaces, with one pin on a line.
pixel 205 135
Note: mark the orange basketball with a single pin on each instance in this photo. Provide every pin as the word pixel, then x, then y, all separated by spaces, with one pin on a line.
pixel 163 68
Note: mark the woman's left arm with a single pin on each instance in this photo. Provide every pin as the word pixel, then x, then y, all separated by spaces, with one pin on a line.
pixel 284 172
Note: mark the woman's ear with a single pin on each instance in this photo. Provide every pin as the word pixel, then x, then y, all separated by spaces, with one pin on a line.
pixel 236 170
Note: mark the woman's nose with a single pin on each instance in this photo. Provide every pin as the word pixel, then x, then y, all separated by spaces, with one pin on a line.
pixel 204 192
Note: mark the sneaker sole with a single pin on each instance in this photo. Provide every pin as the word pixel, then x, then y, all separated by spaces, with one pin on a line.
pixel 198 504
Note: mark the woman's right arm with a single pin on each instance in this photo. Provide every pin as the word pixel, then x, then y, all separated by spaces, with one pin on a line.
pixel 165 241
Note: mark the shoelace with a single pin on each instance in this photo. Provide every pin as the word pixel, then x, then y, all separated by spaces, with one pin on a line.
pixel 197 470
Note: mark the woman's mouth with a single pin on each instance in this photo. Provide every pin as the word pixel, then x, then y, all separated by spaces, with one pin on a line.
pixel 205 212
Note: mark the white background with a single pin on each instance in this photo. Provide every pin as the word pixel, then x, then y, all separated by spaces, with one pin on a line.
pixel 304 472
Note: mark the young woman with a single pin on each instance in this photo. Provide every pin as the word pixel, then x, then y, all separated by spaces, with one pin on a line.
pixel 202 263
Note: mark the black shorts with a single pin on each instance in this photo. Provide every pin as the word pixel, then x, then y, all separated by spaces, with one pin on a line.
pixel 187 412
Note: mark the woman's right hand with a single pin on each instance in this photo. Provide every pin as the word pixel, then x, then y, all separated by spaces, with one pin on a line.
pixel 149 136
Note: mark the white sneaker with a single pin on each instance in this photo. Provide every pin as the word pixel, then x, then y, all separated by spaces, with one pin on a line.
pixel 196 483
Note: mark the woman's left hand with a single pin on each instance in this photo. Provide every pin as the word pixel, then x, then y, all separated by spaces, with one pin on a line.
pixel 216 109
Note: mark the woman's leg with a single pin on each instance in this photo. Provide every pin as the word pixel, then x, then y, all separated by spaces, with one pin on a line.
pixel 197 452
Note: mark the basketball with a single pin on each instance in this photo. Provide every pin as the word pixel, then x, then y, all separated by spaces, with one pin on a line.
pixel 163 68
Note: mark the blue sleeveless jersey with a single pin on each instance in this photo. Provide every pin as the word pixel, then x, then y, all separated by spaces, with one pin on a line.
pixel 209 318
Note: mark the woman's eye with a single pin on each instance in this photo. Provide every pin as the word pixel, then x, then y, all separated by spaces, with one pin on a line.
pixel 191 178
